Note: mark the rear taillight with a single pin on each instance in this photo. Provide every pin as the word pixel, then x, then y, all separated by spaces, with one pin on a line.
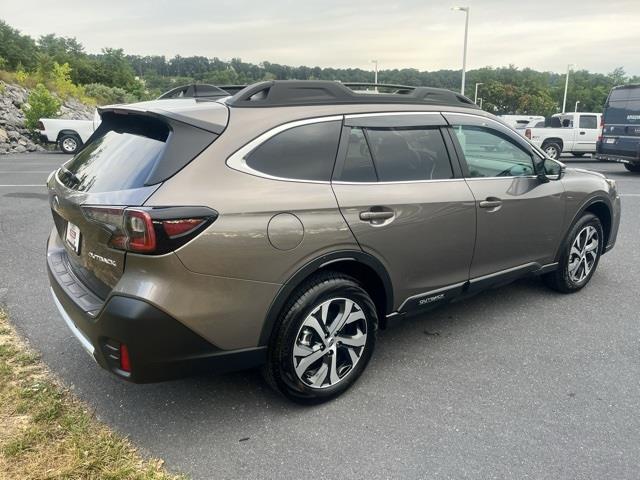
pixel 40 125
pixel 527 133
pixel 150 230
pixel 601 129
pixel 125 361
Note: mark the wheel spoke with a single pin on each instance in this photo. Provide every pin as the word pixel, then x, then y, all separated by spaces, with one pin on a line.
pixel 318 378
pixel 333 368
pixel 573 266
pixel 341 319
pixel 300 350
pixel 306 362
pixel 313 323
pixel 352 355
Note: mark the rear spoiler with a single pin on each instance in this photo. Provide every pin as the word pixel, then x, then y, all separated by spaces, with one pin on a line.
pixel 204 124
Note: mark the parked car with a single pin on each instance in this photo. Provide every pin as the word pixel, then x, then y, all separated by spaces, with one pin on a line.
pixel 522 121
pixel 283 226
pixel 69 135
pixel 574 133
pixel 620 137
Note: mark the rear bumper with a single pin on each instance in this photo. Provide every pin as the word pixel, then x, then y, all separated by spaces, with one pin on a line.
pixel 160 347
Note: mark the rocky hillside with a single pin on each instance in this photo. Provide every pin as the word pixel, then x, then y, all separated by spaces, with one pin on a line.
pixel 14 137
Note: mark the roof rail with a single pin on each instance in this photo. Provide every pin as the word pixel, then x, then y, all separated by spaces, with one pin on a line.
pixel 281 93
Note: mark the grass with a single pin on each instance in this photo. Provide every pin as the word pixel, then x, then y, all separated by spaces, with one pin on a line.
pixel 45 433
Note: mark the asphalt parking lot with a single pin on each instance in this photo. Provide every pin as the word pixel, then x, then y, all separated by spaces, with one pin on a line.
pixel 518 382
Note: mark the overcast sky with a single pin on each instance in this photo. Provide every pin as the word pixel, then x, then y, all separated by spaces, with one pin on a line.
pixel 598 35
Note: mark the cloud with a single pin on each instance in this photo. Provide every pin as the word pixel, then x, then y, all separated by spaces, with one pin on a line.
pixel 422 34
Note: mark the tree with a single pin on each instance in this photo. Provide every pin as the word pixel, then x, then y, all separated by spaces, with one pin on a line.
pixel 41 104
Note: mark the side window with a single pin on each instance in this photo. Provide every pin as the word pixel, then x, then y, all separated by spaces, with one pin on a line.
pixel 489 153
pixel 358 164
pixel 405 154
pixel 588 121
pixel 307 152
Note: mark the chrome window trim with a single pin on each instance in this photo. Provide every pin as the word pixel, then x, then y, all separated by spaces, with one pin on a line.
pixel 237 160
pixel 500 178
pixel 340 182
pixel 387 114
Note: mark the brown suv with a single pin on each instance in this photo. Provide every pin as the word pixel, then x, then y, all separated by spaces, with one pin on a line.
pixel 282 226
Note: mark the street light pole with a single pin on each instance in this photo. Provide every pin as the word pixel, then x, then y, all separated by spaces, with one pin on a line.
pixel 566 87
pixel 475 97
pixel 375 62
pixel 575 110
pixel 466 36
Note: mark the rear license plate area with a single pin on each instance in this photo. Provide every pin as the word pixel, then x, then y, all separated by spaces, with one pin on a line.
pixel 72 237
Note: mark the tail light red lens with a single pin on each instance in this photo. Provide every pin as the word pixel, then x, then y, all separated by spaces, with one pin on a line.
pixel 527 133
pixel 177 228
pixel 125 361
pixel 139 227
pixel 150 230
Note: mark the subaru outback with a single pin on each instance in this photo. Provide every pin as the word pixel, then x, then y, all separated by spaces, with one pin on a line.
pixel 282 226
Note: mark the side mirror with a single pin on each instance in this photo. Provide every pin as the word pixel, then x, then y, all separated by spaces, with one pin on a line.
pixel 538 165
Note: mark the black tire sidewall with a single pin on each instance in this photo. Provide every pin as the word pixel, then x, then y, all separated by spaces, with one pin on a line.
pixel 303 303
pixel 567 283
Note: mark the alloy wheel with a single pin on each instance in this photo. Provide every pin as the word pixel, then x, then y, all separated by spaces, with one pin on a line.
pixel 552 152
pixel 583 254
pixel 330 342
pixel 69 145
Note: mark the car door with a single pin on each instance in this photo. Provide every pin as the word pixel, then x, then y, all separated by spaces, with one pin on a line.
pixel 407 203
pixel 586 134
pixel 520 217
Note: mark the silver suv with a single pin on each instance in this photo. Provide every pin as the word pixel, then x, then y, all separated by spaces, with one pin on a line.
pixel 282 226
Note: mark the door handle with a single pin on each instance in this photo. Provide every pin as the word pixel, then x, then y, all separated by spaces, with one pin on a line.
pixel 371 216
pixel 583 133
pixel 490 203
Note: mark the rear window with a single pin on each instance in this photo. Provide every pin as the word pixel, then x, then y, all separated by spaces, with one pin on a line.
pixel 131 151
pixel 307 152
pixel 623 107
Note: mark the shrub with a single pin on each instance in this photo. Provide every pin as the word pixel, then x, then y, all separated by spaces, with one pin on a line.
pixel 105 95
pixel 41 104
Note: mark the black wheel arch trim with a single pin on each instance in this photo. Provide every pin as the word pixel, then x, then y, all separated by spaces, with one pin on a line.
pixel 61 133
pixel 592 200
pixel 309 269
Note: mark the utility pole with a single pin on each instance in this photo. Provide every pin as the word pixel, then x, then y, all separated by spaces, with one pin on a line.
pixel 375 78
pixel 566 87
pixel 466 36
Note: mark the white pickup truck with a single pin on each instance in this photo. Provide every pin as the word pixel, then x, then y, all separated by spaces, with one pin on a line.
pixel 70 135
pixel 575 133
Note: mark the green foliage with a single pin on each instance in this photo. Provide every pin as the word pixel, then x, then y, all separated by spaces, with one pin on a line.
pixel 105 95
pixel 505 90
pixel 41 104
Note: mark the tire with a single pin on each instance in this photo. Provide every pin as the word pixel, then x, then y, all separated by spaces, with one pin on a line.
pixel 552 149
pixel 301 330
pixel 578 154
pixel 632 167
pixel 566 279
pixel 69 143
